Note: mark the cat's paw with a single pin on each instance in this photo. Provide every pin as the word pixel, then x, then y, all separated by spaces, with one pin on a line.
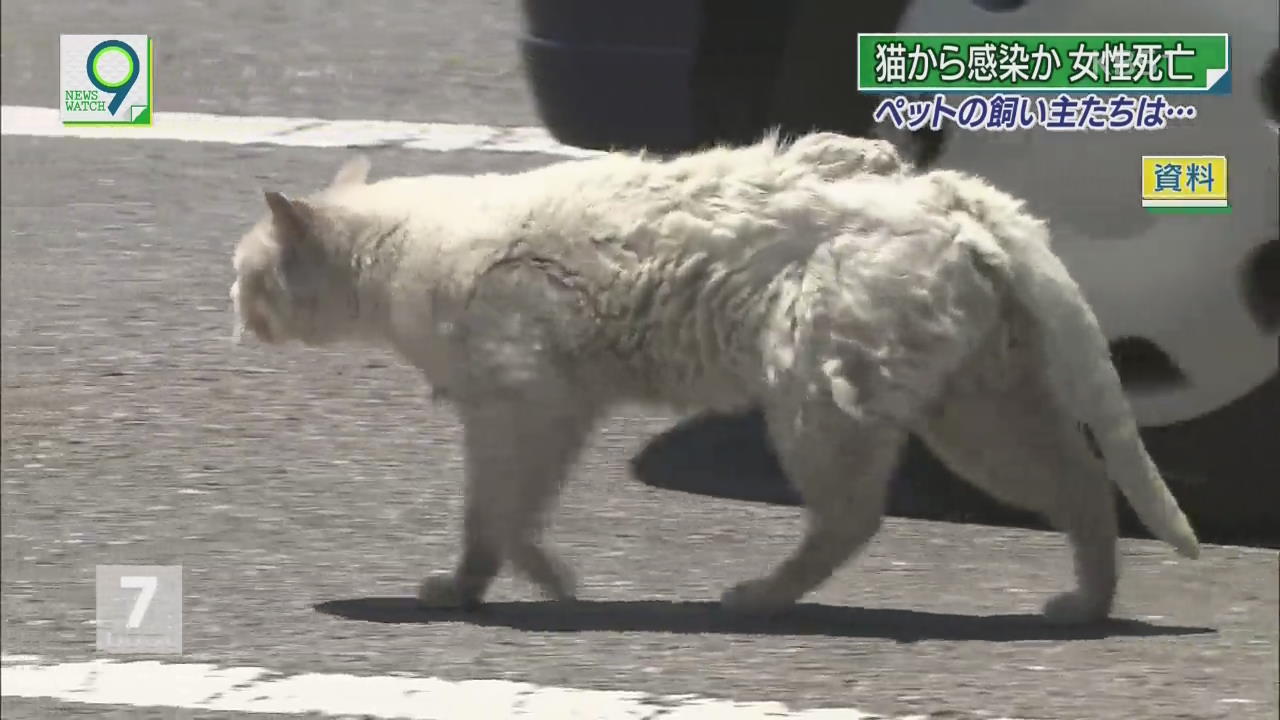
pixel 760 596
pixel 545 569
pixel 1076 608
pixel 442 591
pixel 560 587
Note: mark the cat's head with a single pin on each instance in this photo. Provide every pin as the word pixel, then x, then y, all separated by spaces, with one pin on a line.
pixel 294 272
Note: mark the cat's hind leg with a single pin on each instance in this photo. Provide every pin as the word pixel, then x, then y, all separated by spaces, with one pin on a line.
pixel 999 427
pixel 841 468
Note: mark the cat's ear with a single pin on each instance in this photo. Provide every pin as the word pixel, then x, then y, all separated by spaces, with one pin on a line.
pixel 293 218
pixel 354 172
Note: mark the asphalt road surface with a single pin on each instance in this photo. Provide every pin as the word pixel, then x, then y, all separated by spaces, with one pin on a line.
pixel 306 492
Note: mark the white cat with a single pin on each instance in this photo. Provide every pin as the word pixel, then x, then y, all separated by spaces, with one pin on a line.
pixel 853 299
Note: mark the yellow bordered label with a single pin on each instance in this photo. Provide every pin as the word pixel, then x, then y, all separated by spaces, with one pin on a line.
pixel 1185 183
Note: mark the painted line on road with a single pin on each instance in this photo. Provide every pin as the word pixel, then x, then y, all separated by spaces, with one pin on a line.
pixel 199 686
pixel 22 120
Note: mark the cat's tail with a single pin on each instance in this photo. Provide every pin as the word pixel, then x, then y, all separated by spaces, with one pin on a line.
pixel 1077 360
pixel 1084 380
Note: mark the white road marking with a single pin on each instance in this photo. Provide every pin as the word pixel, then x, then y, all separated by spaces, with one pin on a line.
pixel 21 120
pixel 199 686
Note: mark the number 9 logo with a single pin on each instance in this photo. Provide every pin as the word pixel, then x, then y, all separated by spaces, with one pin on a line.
pixel 107 51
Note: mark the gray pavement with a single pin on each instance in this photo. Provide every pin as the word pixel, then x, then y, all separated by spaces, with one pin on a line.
pixel 305 492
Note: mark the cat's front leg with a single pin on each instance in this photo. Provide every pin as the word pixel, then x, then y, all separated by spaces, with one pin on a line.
pixel 517 456
pixel 479 563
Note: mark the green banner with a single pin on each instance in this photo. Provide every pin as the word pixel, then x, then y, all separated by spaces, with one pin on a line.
pixel 1052 62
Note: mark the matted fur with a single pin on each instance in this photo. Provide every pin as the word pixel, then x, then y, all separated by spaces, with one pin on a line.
pixel 826 281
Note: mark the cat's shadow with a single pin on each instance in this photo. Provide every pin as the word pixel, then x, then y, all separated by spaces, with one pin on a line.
pixel 708 617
